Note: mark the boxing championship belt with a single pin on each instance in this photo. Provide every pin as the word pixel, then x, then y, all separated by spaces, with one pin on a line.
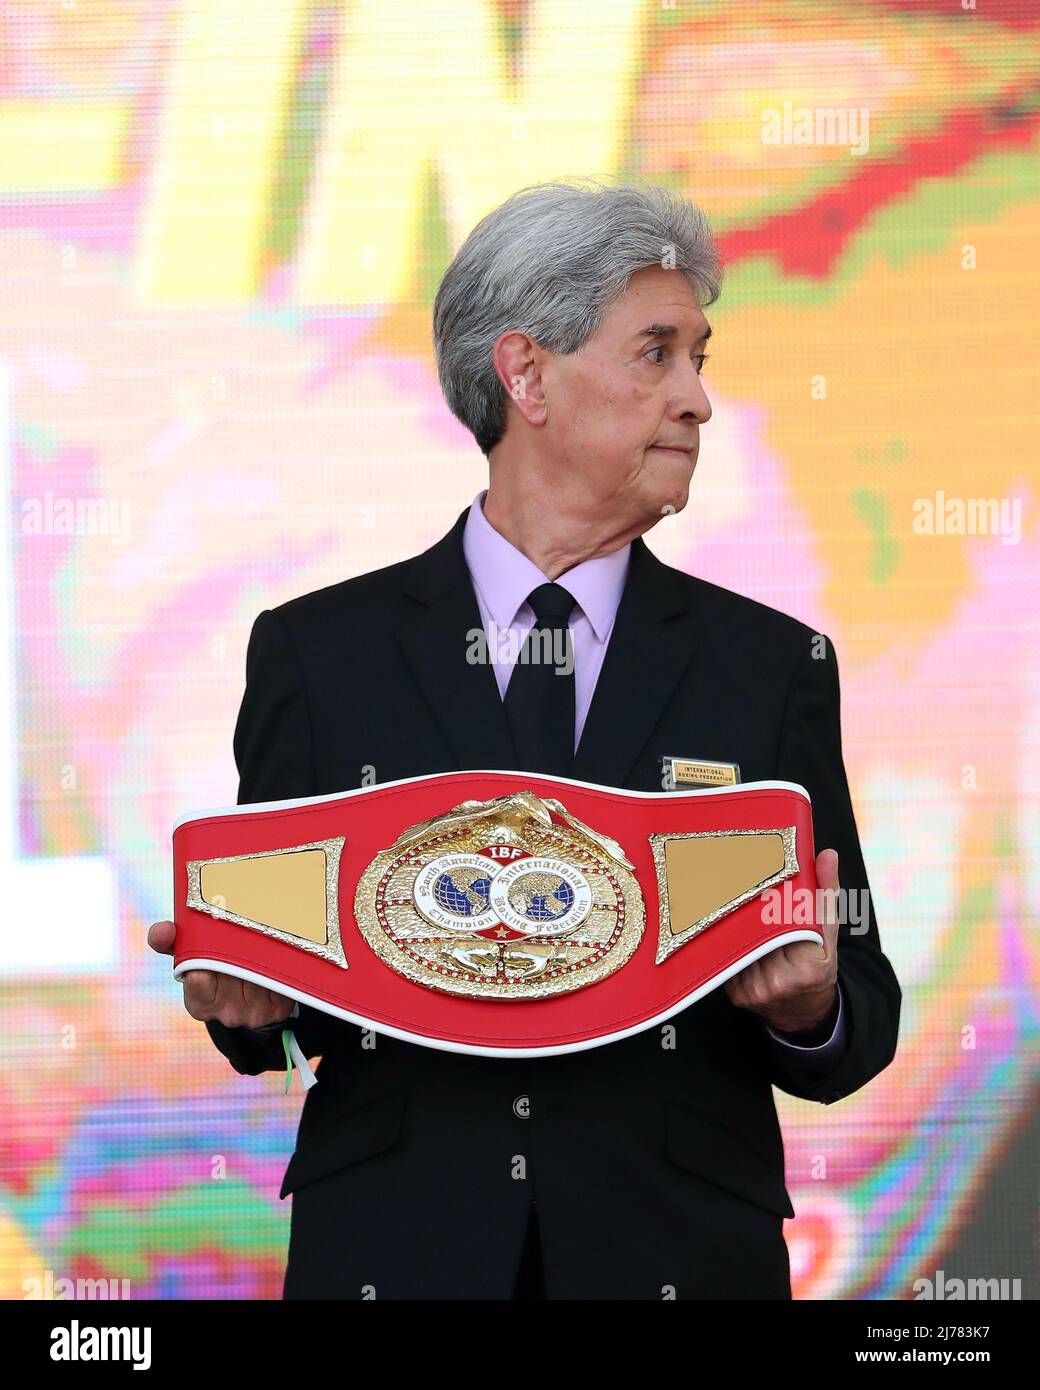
pixel 502 913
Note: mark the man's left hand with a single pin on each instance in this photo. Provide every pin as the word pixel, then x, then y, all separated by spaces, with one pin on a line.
pixel 795 988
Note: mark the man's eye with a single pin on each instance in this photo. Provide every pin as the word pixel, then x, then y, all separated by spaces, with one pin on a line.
pixel 697 358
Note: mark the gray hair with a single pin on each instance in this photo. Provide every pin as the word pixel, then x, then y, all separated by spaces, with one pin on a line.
pixel 548 262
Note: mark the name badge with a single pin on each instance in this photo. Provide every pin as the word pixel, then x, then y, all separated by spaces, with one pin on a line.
pixel 697 772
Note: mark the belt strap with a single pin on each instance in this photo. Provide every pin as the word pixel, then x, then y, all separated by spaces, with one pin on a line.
pixel 498 913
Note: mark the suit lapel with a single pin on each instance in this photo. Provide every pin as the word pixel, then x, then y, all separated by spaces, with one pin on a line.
pixel 651 644
pixel 435 637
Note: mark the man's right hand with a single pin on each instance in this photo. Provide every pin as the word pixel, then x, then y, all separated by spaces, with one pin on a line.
pixel 209 996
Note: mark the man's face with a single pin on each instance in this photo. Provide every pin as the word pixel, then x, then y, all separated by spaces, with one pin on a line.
pixel 631 391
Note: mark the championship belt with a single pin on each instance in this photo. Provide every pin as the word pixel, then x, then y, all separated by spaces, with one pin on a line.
pixel 503 913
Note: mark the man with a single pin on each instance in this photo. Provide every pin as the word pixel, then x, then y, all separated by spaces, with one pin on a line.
pixel 570 336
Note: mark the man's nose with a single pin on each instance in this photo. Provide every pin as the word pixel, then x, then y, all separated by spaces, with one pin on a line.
pixel 694 399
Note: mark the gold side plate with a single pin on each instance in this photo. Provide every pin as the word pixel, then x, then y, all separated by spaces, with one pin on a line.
pixel 703 874
pixel 289 894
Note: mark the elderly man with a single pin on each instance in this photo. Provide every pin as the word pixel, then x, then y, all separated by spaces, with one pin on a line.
pixel 570 337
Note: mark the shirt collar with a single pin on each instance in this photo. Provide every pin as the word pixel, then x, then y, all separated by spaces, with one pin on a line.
pixel 505 575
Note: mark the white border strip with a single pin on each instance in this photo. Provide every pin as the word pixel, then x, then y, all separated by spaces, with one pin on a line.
pixel 255 807
pixel 405 1036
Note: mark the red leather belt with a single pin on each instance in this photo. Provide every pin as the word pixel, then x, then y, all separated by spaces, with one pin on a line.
pixel 501 913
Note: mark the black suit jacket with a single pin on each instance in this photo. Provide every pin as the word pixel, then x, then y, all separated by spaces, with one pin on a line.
pixel 657 1160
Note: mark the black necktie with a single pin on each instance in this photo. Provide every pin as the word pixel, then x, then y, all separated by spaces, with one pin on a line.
pixel 540 694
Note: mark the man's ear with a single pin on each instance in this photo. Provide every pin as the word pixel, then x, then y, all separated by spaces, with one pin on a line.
pixel 517 359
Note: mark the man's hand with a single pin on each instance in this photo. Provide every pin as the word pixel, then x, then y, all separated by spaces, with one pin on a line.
pixel 225 998
pixel 795 988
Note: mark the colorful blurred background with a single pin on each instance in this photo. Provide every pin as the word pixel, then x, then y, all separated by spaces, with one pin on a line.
pixel 222 225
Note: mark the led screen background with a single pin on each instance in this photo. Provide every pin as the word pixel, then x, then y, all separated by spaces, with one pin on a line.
pixel 221 230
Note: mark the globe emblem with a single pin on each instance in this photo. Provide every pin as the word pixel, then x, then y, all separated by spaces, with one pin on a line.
pixel 466 894
pixel 541 897
pixel 463 893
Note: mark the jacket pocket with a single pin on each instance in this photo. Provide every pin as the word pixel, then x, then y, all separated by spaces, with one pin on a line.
pixel 353 1136
pixel 716 1153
